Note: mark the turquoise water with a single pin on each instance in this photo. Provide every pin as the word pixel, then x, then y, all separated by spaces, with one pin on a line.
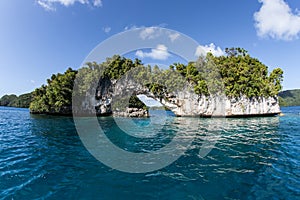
pixel 256 158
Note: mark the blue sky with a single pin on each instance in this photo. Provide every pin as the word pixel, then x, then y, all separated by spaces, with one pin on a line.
pixel 42 37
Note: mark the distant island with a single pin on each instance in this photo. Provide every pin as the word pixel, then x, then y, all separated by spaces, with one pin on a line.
pixel 248 87
pixel 289 98
pixel 22 101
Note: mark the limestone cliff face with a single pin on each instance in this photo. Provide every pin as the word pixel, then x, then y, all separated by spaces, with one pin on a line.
pixel 192 105
pixel 182 103
pixel 112 97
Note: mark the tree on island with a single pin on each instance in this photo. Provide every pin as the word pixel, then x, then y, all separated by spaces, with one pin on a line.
pixel 236 73
pixel 56 96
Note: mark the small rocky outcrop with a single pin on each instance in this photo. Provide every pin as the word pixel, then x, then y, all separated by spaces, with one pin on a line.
pixel 132 112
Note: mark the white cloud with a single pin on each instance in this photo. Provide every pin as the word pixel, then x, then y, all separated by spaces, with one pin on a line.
pixel 150 33
pixel 130 27
pixel 98 3
pixel 107 29
pixel 275 19
pixel 49 5
pixel 203 50
pixel 159 53
pixel 155 32
pixel 46 6
pixel 174 36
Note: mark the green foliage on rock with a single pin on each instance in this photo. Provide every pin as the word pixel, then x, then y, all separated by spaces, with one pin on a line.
pixel 112 69
pixel 56 96
pixel 135 102
pixel 246 75
pixel 117 66
pixel 235 74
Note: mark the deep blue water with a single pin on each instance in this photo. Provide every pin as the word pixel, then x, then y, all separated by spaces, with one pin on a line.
pixel 42 157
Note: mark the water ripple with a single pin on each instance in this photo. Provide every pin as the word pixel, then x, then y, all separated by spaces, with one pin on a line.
pixel 258 158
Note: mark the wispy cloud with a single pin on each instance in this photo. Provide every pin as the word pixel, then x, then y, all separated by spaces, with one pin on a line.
pixel 107 29
pixel 153 32
pixel 159 53
pixel 211 48
pixel 50 5
pixel 174 36
pixel 131 27
pixel 46 6
pixel 276 20
pixel 150 33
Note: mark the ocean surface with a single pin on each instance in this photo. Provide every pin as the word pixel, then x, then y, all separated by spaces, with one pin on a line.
pixel 43 157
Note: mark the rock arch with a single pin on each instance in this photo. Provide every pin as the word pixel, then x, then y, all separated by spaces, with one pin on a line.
pixel 184 102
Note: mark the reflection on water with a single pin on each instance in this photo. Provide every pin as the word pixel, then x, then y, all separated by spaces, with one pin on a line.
pixel 255 158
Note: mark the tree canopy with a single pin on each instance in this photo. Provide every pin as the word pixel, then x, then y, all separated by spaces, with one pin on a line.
pixel 235 74
pixel 56 96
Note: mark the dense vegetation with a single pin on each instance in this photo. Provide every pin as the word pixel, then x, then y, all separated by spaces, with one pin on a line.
pixel 289 98
pixel 56 96
pixel 135 102
pixel 234 74
pixel 22 101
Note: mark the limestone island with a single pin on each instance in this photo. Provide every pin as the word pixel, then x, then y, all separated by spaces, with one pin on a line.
pixel 233 85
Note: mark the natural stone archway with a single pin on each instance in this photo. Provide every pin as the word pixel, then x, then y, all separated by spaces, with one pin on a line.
pixel 181 103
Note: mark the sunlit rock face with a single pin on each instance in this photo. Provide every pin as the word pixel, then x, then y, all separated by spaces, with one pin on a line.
pixel 253 106
pixel 222 106
pixel 182 103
